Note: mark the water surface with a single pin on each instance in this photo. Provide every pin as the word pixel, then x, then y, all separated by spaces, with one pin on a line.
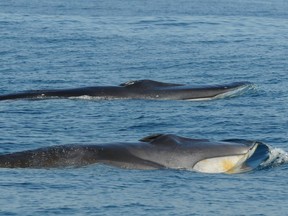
pixel 59 44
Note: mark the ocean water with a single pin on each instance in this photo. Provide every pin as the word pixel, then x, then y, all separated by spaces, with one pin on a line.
pixel 59 44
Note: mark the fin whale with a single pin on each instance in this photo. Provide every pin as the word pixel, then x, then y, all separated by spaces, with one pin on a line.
pixel 159 151
pixel 139 89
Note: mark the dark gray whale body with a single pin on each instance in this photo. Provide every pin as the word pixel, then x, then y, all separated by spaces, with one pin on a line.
pixel 158 151
pixel 141 89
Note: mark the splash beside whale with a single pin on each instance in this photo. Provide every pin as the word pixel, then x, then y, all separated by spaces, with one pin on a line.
pixel 159 151
pixel 139 89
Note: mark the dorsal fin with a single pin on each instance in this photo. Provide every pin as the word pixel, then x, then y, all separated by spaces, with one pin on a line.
pixel 161 139
pixel 146 84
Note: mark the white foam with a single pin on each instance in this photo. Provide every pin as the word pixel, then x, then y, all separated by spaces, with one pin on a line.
pixel 87 97
pixel 277 157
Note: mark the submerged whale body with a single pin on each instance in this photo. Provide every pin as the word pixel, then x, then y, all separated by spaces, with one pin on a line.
pixel 139 89
pixel 160 151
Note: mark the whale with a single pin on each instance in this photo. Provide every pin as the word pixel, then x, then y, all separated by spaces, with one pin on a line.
pixel 156 151
pixel 138 89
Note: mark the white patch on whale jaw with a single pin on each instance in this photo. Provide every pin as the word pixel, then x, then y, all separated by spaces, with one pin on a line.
pixel 235 92
pixel 229 94
pixel 227 164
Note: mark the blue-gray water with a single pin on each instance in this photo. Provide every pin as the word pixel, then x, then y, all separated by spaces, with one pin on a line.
pixel 57 44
